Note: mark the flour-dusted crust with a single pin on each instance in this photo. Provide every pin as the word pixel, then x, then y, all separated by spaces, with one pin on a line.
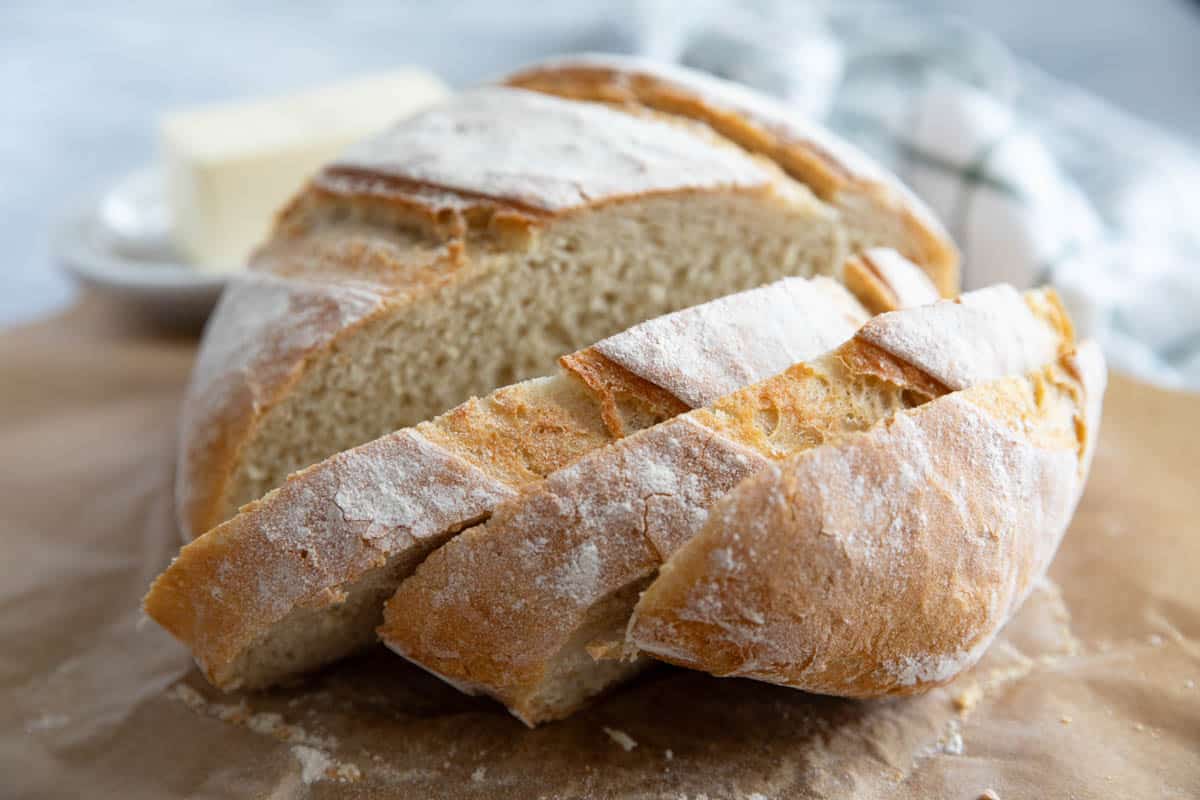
pixel 982 335
pixel 492 608
pixel 707 351
pixel 480 144
pixel 884 562
pixel 301 544
pixel 388 502
pixel 835 170
pixel 260 334
pixel 503 606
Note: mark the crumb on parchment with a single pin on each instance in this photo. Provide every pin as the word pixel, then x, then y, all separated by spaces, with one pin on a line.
pixel 966 699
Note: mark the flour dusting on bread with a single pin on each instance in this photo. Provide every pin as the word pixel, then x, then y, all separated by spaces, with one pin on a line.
pixel 984 335
pixel 406 484
pixel 481 142
pixel 704 352
pixel 905 547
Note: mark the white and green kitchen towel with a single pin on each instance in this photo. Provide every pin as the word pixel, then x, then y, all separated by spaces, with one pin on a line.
pixel 1037 181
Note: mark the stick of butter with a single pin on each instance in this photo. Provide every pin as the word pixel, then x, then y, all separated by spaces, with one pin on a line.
pixel 229 168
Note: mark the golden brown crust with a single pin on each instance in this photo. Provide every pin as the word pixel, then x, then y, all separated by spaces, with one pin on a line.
pixel 440 212
pixel 863 357
pixel 521 433
pixel 302 546
pixel 617 387
pixel 886 561
pixel 883 280
pixel 866 285
pixel 227 589
pixel 836 172
pixel 494 609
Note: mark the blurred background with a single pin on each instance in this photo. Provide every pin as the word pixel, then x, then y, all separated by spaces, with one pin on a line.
pixel 85 83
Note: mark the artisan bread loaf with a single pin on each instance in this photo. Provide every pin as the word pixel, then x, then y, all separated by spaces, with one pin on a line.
pixel 298 578
pixel 521 607
pixel 884 562
pixel 472 244
pixel 874 206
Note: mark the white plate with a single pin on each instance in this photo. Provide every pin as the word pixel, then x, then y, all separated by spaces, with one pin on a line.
pixel 120 245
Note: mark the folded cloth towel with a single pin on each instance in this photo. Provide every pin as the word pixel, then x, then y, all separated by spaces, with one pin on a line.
pixel 1037 181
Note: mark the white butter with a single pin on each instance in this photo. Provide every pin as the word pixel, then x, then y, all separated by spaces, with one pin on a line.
pixel 231 167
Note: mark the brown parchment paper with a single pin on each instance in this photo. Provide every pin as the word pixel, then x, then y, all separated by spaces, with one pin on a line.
pixel 1093 692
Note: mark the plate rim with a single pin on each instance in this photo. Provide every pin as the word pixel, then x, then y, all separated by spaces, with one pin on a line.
pixel 103 269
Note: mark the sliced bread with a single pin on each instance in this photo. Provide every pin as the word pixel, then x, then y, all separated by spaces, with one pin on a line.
pixel 520 607
pixel 298 578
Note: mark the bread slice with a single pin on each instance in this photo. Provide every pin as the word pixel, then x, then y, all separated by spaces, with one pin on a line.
pixel 884 562
pixel 510 608
pixel 876 208
pixel 298 578
pixel 466 249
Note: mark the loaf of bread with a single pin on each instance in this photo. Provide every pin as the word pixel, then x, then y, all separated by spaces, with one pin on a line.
pixel 299 578
pixel 473 243
pixel 773 484
pixel 531 606
pixel 884 562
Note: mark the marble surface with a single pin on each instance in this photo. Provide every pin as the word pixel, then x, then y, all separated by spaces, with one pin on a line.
pixel 83 83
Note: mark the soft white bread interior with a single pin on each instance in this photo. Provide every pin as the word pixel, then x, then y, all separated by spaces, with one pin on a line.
pixel 472 244
pixel 298 578
pixel 884 562
pixel 517 607
pixel 875 207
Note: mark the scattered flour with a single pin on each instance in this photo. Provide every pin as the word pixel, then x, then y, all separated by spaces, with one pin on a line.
pixel 317 765
pixel 264 723
pixel 47 722
pixel 949 743
pixel 314 764
pixel 622 738
pixel 580 575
